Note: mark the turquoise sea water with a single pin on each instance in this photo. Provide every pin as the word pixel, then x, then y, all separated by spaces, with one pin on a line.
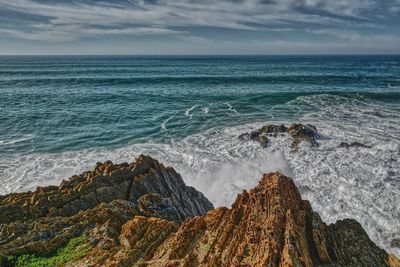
pixel 60 115
pixel 55 104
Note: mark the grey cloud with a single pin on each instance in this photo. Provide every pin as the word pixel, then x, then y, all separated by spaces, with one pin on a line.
pixel 74 19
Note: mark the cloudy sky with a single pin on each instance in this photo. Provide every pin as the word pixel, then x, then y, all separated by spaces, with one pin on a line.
pixel 200 27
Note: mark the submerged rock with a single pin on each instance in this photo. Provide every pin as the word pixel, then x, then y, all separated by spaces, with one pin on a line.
pixel 299 132
pixel 162 222
pixel 353 144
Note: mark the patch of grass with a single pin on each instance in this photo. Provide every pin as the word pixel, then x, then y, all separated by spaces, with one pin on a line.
pixel 72 251
pixel 206 247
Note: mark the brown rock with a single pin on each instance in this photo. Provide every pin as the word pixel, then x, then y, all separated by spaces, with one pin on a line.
pixel 268 226
pixel 40 221
pixel 92 188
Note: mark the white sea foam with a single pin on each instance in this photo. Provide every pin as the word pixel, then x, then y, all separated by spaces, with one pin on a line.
pixel 16 140
pixel 230 108
pixel 164 124
pixel 189 110
pixel 359 183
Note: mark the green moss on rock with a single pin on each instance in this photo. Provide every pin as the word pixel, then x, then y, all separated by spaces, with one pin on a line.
pixel 76 248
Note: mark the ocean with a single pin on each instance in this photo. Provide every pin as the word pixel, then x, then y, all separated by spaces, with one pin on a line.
pixel 61 115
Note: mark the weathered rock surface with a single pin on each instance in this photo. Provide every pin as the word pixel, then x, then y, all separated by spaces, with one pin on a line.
pixel 107 182
pixel 39 222
pixel 268 226
pixel 299 132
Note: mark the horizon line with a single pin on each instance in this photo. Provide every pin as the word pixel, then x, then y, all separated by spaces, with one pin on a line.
pixel 201 55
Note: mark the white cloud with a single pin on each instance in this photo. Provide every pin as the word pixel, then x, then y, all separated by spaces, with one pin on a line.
pixel 77 19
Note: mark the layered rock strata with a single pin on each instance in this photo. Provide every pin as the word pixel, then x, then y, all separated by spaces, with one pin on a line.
pixel 107 182
pixel 270 226
pixel 39 222
pixel 165 223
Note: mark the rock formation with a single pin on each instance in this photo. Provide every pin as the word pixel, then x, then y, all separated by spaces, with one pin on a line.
pixel 353 144
pixel 299 132
pixel 39 222
pixel 142 214
pixel 270 226
pixel 108 182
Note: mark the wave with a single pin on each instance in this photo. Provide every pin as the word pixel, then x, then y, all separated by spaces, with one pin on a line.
pixel 164 123
pixel 16 140
pixel 230 108
pixel 81 128
pixel 121 79
pixel 205 110
pixel 187 112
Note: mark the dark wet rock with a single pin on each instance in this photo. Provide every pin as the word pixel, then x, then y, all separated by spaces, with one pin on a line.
pixel 274 130
pixel 353 144
pixel 263 140
pixel 253 136
pixel 395 243
pixel 257 136
pixel 299 132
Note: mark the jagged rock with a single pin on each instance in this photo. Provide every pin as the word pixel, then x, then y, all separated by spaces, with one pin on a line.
pixel 274 130
pixel 299 132
pixel 104 198
pixel 268 226
pixel 154 205
pixel 395 243
pixel 253 136
pixel 353 144
pixel 107 182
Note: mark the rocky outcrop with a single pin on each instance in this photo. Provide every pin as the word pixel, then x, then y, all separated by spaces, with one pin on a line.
pixel 41 221
pixel 299 132
pixel 268 226
pixel 108 182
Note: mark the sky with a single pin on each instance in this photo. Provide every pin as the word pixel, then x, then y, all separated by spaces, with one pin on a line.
pixel 153 27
